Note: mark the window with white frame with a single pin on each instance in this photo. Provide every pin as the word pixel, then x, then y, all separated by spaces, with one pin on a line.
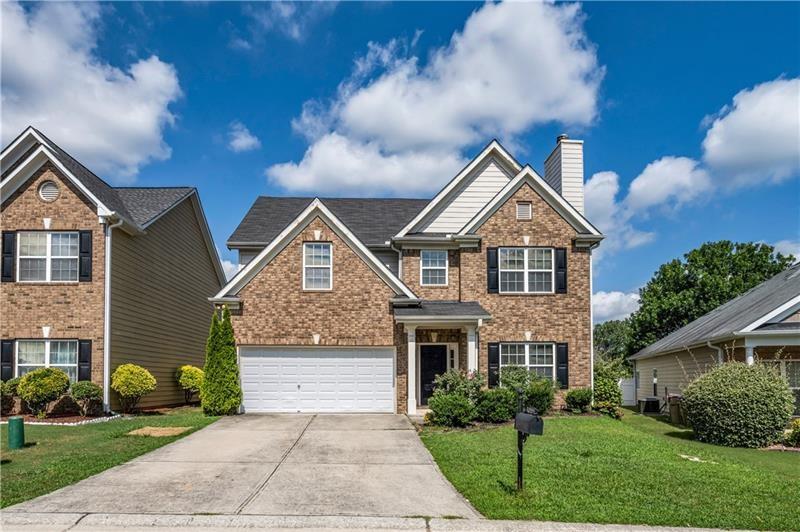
pixel 537 357
pixel 47 257
pixel 317 266
pixel 35 354
pixel 433 267
pixel 526 270
pixel 789 370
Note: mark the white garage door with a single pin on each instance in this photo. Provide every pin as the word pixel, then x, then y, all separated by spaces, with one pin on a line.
pixel 286 379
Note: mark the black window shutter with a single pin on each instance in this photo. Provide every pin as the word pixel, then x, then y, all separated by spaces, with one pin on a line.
pixel 7 360
pixel 492 281
pixel 494 365
pixel 84 360
pixel 561 271
pixel 9 253
pixel 85 257
pixel 562 365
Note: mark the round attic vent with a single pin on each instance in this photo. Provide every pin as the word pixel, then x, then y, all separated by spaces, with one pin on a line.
pixel 48 191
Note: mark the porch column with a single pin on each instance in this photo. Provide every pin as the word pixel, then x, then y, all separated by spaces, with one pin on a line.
pixel 411 332
pixel 472 350
pixel 748 355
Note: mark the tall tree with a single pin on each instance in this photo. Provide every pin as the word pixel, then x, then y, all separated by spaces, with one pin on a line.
pixel 611 339
pixel 222 393
pixel 683 290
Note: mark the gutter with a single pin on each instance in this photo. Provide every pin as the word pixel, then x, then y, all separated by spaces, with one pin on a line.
pixel 720 358
pixel 107 315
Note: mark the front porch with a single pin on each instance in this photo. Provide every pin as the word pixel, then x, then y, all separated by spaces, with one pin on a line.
pixel 440 335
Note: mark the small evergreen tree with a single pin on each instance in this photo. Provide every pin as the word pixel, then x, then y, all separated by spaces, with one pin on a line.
pixel 222 394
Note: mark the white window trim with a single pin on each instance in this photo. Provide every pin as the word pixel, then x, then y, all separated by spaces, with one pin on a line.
pixel 525 271
pixel 48 257
pixel 330 266
pixel 47 363
pixel 446 268
pixel 527 364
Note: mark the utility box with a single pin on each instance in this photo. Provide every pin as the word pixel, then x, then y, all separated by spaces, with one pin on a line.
pixel 650 405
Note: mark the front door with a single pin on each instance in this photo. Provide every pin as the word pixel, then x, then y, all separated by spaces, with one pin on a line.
pixel 432 362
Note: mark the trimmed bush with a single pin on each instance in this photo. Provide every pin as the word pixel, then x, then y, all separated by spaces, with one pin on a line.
pixel 606 390
pixel 41 386
pixel 540 394
pixel 496 405
pixel 468 384
pixel 132 382
pixel 221 393
pixel 579 399
pixel 609 409
pixel 737 405
pixel 190 379
pixel 84 393
pixel 515 377
pixel 793 438
pixel 10 386
pixel 451 409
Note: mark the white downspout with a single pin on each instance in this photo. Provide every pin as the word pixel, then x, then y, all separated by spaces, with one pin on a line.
pixel 107 319
pixel 720 358
pixel 591 324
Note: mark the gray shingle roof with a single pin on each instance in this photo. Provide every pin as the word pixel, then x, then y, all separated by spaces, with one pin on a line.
pixel 428 308
pixel 372 220
pixel 732 316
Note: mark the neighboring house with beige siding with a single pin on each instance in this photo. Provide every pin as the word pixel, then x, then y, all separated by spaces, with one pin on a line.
pixel 95 276
pixel 357 304
pixel 760 326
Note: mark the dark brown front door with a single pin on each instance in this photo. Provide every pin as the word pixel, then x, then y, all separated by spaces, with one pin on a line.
pixel 432 362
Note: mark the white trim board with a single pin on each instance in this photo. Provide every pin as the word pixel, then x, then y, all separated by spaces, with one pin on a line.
pixel 315 209
pixel 786 309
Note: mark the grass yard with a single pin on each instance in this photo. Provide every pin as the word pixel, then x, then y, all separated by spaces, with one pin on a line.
pixel 59 456
pixel 598 470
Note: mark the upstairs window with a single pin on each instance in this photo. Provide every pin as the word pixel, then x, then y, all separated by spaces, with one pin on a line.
pixel 523 210
pixel 526 270
pixel 433 267
pixel 47 257
pixel 317 266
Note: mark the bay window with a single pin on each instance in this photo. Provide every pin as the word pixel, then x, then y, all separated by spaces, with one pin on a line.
pixel 526 270
pixel 35 354
pixel 317 266
pixel 538 358
pixel 47 257
pixel 433 267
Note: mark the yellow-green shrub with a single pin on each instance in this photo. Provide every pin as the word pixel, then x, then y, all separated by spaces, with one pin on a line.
pixel 132 382
pixel 42 386
pixel 190 379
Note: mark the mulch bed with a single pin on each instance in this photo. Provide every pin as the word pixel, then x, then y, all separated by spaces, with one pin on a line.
pixel 55 420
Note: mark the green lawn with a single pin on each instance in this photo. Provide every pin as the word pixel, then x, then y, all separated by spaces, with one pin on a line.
pixel 58 456
pixel 595 469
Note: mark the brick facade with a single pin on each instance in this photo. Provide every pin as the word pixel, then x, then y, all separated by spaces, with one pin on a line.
pixel 411 276
pixel 71 310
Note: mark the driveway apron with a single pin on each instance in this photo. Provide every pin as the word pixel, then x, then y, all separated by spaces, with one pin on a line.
pixel 290 464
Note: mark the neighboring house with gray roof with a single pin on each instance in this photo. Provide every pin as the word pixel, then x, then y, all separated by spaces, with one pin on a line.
pixel 357 304
pixel 760 326
pixel 95 276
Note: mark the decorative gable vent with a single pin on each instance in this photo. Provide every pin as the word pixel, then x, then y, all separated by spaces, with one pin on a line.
pixel 48 191
pixel 523 210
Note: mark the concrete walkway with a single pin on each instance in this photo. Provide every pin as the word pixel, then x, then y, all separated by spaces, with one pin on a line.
pixel 272 465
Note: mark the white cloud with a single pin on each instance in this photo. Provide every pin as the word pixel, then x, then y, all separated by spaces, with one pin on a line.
pixel 614 305
pixel 291 19
pixel 670 181
pixel 240 139
pixel 111 119
pixel 788 247
pixel 488 81
pixel 230 268
pixel 757 138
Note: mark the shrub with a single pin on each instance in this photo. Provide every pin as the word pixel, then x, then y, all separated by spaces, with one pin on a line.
pixel 606 390
pixel 496 405
pixel 540 394
pixel 737 405
pixel 84 393
pixel 132 382
pixel 793 438
pixel 221 393
pixel 10 387
pixel 609 409
pixel 579 399
pixel 515 377
pixel 468 384
pixel 451 409
pixel 190 379
pixel 41 386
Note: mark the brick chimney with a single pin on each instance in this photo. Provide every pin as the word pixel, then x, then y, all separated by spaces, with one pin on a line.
pixel 563 170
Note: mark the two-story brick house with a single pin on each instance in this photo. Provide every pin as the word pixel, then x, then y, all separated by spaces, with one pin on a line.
pixel 355 305
pixel 95 276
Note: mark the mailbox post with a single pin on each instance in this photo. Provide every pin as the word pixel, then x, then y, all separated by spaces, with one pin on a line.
pixel 526 422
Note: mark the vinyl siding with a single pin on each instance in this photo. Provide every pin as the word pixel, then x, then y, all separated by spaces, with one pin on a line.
pixel 160 313
pixel 675 371
pixel 388 257
pixel 563 171
pixel 468 199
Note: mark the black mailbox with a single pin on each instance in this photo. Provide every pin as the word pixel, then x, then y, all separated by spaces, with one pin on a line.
pixel 529 423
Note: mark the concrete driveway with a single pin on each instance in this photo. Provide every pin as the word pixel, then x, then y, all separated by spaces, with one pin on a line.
pixel 288 465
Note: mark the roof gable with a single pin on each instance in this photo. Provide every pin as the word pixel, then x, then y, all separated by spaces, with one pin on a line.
pixel 314 209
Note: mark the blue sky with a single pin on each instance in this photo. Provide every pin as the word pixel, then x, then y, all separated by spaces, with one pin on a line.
pixel 206 94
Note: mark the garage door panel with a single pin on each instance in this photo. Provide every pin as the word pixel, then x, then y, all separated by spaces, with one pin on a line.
pixel 317 379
